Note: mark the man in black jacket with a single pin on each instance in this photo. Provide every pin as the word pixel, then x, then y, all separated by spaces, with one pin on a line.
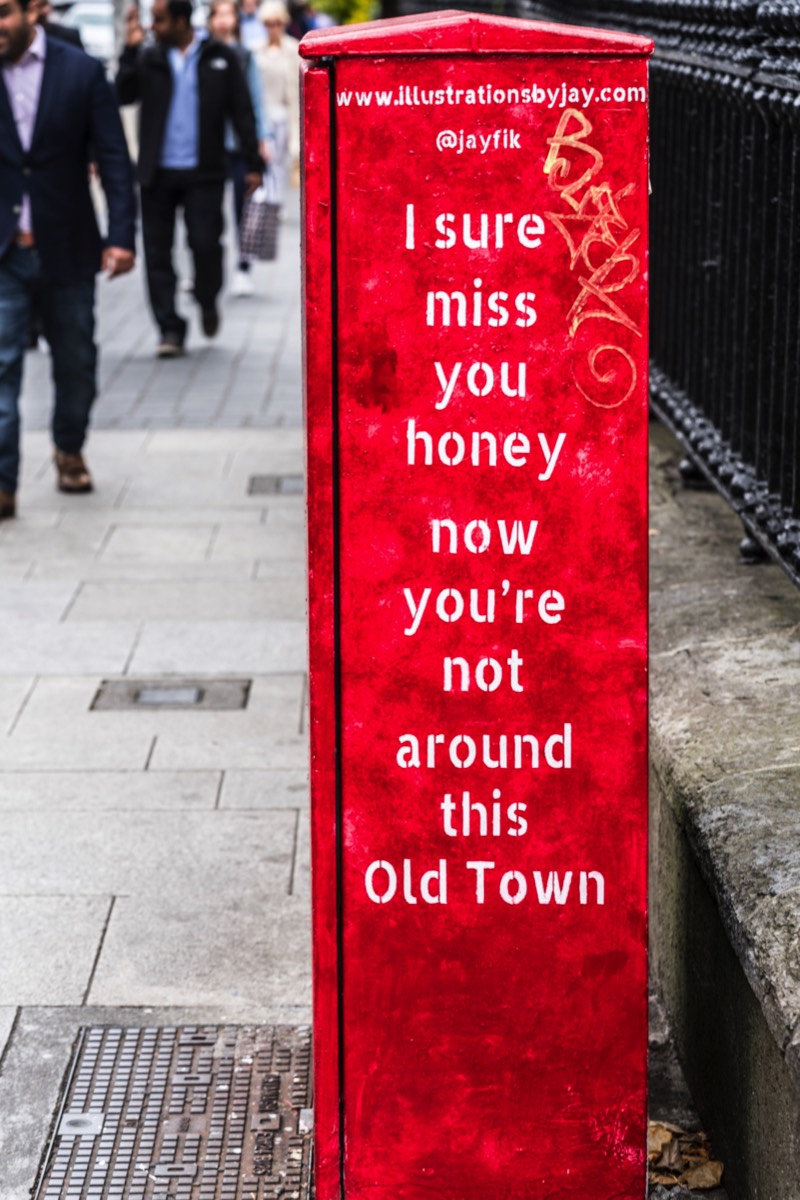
pixel 189 85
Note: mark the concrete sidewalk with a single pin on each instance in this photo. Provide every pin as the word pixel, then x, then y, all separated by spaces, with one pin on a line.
pixel 154 862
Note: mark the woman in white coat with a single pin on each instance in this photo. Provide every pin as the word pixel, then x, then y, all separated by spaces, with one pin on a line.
pixel 279 65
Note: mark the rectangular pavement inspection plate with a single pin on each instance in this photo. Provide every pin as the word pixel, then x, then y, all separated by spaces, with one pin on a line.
pixel 185 695
pixel 190 1113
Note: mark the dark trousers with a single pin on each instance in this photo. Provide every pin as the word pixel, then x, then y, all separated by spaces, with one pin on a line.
pixel 66 311
pixel 201 201
pixel 237 173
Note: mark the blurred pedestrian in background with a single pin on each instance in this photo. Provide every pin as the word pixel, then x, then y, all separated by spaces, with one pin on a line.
pixel 55 103
pixel 189 86
pixel 279 64
pixel 223 24
pixel 253 33
pixel 44 11
pixel 299 22
pixel 319 18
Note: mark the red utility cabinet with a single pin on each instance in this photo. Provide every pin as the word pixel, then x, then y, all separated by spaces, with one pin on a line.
pixel 476 354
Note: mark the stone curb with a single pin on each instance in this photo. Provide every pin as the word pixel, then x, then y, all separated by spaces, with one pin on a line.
pixel 725 759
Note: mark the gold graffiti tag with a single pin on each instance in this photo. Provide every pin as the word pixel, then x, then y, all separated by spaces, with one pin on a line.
pixel 600 244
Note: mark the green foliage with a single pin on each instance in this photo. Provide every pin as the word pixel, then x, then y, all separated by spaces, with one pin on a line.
pixel 350 12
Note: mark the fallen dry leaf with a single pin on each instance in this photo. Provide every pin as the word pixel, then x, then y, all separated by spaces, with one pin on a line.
pixel 658 1136
pixel 680 1158
pixel 707 1175
pixel 671 1157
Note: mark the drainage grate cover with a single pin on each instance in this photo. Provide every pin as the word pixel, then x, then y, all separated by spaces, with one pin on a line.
pixel 275 485
pixel 191 1113
pixel 195 695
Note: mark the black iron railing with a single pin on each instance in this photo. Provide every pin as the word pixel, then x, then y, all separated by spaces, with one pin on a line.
pixel 725 243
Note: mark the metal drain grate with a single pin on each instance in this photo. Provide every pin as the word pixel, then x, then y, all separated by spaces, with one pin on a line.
pixel 190 1113
pixel 196 695
pixel 275 485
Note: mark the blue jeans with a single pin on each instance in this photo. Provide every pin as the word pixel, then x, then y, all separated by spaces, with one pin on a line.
pixel 67 315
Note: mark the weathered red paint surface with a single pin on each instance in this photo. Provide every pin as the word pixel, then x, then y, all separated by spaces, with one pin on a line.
pixel 480 1030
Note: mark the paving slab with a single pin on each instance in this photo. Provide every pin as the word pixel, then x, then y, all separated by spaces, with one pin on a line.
pixel 39 504
pixel 248 451
pixel 120 601
pixel 93 791
pixel 51 648
pixel 32 1072
pixel 186 955
pixel 251 511
pixel 163 543
pixel 279 568
pixel 182 493
pixel 38 600
pixel 165 854
pixel 160 465
pixel 274 708
pixel 287 516
pixel 264 789
pixel 55 567
pixel 75 750
pixel 264 754
pixel 220 647
pixel 48 947
pixel 266 542
pixel 16 571
pixel 30 538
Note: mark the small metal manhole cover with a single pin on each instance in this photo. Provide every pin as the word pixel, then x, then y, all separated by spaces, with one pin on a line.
pixel 191 1113
pixel 195 695
pixel 275 485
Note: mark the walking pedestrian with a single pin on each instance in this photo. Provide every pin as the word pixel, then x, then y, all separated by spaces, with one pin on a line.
pixel 65 33
pixel 55 103
pixel 253 33
pixel 189 85
pixel 223 23
pixel 279 63
pixel 299 21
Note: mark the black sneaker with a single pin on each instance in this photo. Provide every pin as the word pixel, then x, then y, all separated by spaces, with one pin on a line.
pixel 170 346
pixel 210 322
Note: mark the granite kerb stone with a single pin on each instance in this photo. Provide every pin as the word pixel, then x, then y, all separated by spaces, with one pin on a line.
pixel 725 731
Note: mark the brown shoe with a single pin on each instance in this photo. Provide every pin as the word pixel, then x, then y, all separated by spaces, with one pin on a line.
pixel 73 474
pixel 8 505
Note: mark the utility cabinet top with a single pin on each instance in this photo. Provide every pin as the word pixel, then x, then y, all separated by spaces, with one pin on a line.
pixel 455 33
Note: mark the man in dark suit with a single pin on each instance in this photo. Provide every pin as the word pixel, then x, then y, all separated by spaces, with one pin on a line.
pixel 189 86
pixel 64 33
pixel 55 103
